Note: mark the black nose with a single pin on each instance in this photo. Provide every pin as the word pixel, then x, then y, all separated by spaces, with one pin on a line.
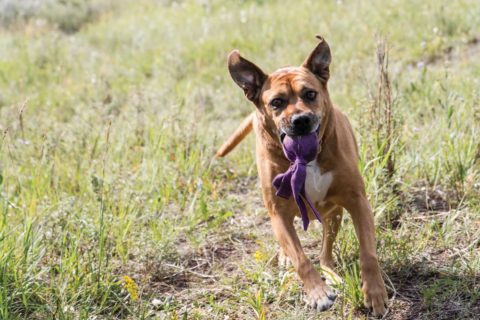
pixel 301 122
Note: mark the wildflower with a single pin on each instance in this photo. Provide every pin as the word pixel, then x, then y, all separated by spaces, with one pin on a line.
pixel 131 287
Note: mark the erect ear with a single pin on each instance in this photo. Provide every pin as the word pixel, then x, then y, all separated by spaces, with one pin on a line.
pixel 319 60
pixel 246 74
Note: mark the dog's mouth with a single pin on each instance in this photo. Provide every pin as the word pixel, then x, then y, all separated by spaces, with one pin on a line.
pixel 283 133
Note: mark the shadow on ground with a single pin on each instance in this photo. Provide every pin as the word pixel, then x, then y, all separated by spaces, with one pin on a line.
pixel 424 291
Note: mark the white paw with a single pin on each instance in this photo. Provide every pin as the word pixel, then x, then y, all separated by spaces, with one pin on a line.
pixel 320 298
pixel 284 262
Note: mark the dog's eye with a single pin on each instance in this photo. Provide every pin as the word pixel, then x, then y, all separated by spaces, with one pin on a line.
pixel 277 103
pixel 310 95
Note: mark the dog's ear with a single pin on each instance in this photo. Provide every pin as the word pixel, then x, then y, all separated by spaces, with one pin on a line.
pixel 246 74
pixel 319 60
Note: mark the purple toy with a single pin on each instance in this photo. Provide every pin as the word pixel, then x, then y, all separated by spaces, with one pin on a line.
pixel 300 150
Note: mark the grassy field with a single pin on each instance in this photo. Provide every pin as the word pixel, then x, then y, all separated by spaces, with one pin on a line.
pixel 111 205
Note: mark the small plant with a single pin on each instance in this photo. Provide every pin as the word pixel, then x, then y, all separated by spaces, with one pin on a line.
pixel 256 302
pixel 131 287
pixel 380 147
pixel 382 119
pixel 351 287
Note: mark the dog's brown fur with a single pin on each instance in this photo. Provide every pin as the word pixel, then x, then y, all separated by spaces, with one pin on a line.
pixel 338 158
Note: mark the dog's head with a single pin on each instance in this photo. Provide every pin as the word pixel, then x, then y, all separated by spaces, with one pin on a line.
pixel 294 98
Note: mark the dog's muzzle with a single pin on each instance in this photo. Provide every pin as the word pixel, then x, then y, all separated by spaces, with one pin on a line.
pixel 300 125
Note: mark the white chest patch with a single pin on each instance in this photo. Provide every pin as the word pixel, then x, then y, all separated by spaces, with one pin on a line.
pixel 317 184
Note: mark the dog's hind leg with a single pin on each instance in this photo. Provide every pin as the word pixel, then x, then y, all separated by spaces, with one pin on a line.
pixel 331 224
pixel 283 260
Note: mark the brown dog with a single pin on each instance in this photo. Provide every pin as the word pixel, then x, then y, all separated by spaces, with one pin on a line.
pixel 295 101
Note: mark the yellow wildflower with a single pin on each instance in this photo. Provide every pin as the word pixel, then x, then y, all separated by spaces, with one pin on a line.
pixel 131 287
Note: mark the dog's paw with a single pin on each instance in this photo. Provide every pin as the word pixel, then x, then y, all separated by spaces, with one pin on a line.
pixel 320 297
pixel 284 262
pixel 375 297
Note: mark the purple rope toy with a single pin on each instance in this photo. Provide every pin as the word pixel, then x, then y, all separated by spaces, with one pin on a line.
pixel 300 150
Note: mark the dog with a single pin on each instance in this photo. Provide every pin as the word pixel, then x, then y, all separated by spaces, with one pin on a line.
pixel 295 101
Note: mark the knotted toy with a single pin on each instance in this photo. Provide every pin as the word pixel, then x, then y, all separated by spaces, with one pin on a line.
pixel 300 150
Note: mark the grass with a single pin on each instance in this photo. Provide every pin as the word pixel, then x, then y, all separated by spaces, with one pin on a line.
pixel 112 207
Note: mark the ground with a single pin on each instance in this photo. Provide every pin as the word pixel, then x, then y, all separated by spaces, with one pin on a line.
pixel 112 205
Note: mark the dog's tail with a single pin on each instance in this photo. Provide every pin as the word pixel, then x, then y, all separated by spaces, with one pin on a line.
pixel 242 131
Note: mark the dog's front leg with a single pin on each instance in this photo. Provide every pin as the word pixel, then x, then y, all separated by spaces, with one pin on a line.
pixel 375 295
pixel 319 295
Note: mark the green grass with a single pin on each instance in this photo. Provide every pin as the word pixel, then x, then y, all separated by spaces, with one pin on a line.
pixel 112 207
